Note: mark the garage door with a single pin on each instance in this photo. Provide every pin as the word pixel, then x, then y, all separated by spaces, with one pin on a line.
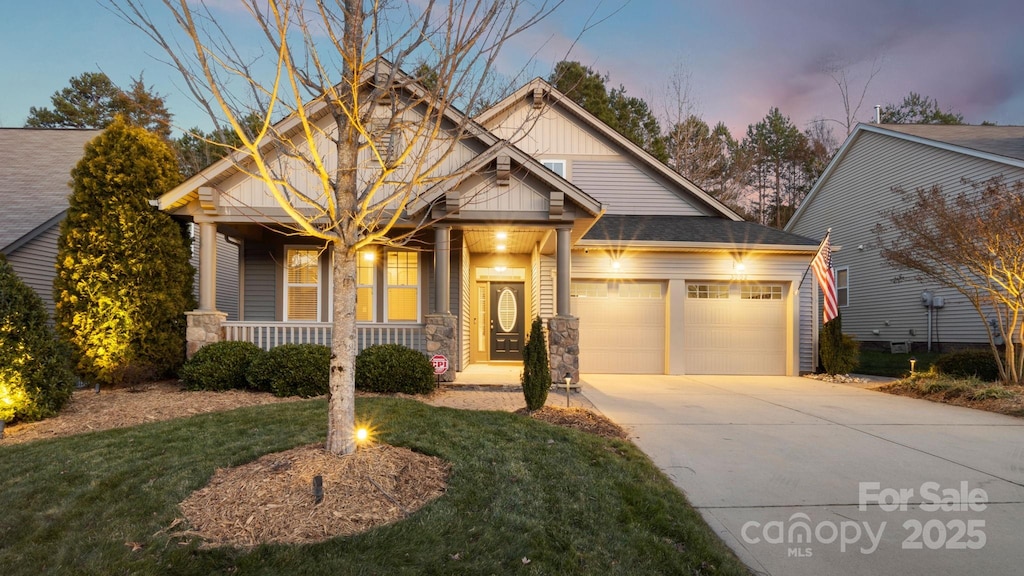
pixel 737 328
pixel 622 326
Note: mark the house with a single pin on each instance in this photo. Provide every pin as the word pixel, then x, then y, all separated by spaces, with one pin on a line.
pixel 880 305
pixel 35 177
pixel 548 212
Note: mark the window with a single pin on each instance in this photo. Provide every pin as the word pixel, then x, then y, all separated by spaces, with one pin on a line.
pixel 843 286
pixel 302 284
pixel 761 292
pixel 556 166
pixel 365 281
pixel 640 290
pixel 707 291
pixel 403 286
pixel 588 289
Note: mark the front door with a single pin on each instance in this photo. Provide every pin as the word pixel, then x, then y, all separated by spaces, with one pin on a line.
pixel 506 320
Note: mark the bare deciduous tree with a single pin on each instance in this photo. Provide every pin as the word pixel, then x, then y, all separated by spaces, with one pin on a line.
pixel 972 242
pixel 347 181
pixel 840 74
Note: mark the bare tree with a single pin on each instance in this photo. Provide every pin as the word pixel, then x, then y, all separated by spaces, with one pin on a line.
pixel 840 74
pixel 972 242
pixel 348 180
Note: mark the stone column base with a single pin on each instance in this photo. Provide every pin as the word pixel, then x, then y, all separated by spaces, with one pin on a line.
pixel 441 331
pixel 202 327
pixel 564 349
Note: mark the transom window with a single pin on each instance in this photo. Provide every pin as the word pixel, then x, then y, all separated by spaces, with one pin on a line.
pixel 707 291
pixel 588 289
pixel 302 284
pixel 761 292
pixel 843 286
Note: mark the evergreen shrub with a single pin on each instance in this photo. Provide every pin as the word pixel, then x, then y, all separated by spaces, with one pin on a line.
pixel 292 370
pixel 390 368
pixel 220 366
pixel 967 363
pixel 536 377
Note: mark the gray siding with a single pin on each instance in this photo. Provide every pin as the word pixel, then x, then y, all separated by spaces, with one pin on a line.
pixel 808 353
pixel 260 283
pixel 622 188
pixel 851 202
pixel 227 275
pixel 34 262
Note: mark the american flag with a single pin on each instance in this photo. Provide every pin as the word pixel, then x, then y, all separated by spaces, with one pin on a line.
pixel 822 266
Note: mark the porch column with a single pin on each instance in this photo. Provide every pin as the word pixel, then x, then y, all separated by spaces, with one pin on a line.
pixel 207 266
pixel 442 263
pixel 563 264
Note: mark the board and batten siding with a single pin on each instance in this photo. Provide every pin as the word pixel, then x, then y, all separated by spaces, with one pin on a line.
pixel 675 269
pixel 34 262
pixel 551 134
pixel 852 201
pixel 622 188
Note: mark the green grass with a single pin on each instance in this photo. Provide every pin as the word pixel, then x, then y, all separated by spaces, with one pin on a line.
pixel 895 365
pixel 578 505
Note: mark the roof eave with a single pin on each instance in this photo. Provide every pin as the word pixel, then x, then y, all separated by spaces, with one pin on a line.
pixel 691 246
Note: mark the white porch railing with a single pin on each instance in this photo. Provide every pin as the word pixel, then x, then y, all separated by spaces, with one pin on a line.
pixel 267 335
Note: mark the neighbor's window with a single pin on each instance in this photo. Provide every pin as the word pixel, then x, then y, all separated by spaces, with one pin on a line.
pixel 843 286
pixel 302 284
pixel 707 291
pixel 556 166
pixel 403 286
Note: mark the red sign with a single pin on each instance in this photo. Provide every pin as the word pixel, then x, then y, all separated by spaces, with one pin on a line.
pixel 440 364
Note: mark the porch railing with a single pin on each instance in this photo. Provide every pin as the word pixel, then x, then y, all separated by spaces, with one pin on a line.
pixel 267 335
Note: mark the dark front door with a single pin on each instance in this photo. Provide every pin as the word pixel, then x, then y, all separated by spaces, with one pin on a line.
pixel 507 321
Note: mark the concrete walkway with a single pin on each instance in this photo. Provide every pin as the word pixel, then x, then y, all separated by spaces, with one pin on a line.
pixel 780 468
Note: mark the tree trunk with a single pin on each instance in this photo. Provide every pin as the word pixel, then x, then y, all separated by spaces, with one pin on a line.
pixel 341 423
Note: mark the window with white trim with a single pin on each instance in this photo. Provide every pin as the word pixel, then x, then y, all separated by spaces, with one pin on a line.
pixel 366 282
pixel 302 284
pixel 843 286
pixel 403 287
pixel 556 166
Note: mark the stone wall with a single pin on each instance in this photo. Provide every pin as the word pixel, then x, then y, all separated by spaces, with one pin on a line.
pixel 441 331
pixel 202 328
pixel 564 349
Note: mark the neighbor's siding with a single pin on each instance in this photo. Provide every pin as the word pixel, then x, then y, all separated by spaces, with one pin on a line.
pixel 851 202
pixel 34 262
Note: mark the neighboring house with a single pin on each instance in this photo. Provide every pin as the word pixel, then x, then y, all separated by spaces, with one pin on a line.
pixel 881 305
pixel 569 220
pixel 35 182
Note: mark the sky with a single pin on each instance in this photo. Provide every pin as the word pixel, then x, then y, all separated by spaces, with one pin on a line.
pixel 739 57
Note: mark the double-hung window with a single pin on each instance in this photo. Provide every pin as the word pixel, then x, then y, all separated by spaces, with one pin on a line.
pixel 843 286
pixel 403 301
pixel 366 276
pixel 302 284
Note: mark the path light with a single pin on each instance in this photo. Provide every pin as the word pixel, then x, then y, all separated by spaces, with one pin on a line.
pixel 568 381
pixel 913 362
pixel 362 435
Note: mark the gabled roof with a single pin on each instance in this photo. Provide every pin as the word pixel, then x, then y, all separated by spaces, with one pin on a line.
pixel 556 98
pixel 35 172
pixel 556 182
pixel 1002 144
pixel 707 232
pixel 317 108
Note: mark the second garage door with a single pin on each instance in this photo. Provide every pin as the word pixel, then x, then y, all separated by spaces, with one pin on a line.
pixel 622 326
pixel 735 328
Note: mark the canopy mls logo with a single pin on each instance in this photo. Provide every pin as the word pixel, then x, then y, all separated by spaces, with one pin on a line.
pixel 799 533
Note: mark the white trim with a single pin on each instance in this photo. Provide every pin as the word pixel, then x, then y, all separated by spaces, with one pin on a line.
pixel 285 283
pixel 564 163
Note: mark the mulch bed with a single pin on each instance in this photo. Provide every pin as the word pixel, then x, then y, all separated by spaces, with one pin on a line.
pixel 1013 406
pixel 579 419
pixel 271 499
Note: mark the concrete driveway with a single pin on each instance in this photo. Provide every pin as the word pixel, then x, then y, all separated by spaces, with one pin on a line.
pixel 805 477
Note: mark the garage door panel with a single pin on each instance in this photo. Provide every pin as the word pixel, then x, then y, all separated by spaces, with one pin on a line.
pixel 735 335
pixel 621 334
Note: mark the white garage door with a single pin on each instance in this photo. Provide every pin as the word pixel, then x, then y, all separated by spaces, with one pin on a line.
pixel 737 328
pixel 622 326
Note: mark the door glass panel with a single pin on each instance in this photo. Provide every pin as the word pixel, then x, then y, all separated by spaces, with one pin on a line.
pixel 507 310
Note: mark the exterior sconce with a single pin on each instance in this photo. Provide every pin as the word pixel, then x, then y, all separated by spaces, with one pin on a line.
pixel 739 266
pixel 615 264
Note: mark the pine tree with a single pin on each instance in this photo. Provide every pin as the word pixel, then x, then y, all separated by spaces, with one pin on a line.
pixel 123 277
pixel 536 373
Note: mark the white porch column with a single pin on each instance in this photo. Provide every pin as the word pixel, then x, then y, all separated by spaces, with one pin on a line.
pixel 442 263
pixel 563 264
pixel 207 266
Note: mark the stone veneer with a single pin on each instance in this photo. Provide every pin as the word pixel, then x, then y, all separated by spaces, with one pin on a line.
pixel 441 330
pixel 564 349
pixel 203 327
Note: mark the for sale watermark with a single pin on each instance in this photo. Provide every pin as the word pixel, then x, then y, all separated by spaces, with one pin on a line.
pixel 800 534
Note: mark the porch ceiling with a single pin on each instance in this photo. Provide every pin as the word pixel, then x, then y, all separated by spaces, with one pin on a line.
pixel 517 241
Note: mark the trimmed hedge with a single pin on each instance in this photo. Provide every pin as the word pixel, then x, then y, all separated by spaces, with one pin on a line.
pixel 968 363
pixel 220 366
pixel 390 368
pixel 292 370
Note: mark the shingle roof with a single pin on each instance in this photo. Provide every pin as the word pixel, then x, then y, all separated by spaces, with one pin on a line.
pixel 691 229
pixel 1002 140
pixel 35 169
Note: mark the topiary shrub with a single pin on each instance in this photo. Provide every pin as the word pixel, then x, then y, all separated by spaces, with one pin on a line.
pixel 220 366
pixel 536 372
pixel 967 363
pixel 292 370
pixel 36 380
pixel 838 352
pixel 390 368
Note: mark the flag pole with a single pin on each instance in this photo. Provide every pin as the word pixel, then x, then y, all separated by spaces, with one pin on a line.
pixel 808 269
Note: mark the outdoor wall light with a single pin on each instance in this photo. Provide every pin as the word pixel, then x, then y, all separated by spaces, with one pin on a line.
pixel 500 247
pixel 739 266
pixel 615 264
pixel 501 235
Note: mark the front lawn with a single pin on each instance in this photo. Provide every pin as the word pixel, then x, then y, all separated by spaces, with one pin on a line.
pixel 523 497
